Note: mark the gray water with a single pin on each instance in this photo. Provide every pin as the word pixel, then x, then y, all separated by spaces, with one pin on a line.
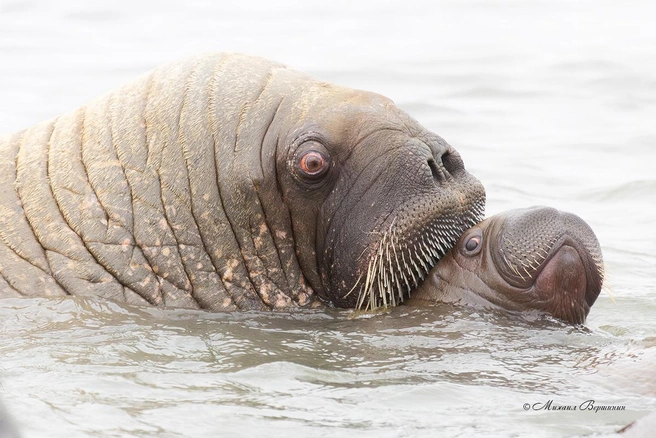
pixel 549 102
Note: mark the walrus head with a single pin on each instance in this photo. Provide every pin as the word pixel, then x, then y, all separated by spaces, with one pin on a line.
pixel 536 258
pixel 375 198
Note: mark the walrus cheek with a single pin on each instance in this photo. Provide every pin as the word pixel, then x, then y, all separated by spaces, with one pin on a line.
pixel 562 283
pixel 449 282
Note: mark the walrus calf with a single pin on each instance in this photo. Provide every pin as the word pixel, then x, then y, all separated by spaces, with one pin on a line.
pixel 229 182
pixel 536 258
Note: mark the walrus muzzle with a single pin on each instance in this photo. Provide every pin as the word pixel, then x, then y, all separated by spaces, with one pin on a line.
pixel 401 222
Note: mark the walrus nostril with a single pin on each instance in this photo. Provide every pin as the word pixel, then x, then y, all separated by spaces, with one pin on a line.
pixel 452 162
pixel 445 165
pixel 438 170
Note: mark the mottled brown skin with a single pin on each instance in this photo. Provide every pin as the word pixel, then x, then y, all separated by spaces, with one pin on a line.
pixel 227 182
pixel 527 259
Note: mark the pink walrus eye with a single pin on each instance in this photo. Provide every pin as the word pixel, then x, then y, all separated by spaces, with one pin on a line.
pixel 313 163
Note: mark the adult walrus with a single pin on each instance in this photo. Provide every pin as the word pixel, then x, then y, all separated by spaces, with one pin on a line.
pixel 229 182
pixel 536 258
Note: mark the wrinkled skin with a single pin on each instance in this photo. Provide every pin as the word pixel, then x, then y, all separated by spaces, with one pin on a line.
pixel 527 259
pixel 229 182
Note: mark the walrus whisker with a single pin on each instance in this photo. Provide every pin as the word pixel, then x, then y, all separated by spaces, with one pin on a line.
pixel 354 286
pixel 413 260
pixel 408 268
pixel 385 280
pixel 530 264
pixel 423 252
pixel 544 253
pixel 394 282
pixel 382 277
pixel 608 290
pixel 364 292
pixel 396 257
pixel 523 279
pixel 512 266
pixel 398 266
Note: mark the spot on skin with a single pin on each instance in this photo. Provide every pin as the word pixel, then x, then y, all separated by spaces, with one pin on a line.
pixel 226 302
pixel 265 292
pixel 199 266
pixel 281 234
pixel 86 203
pixel 166 252
pixel 282 301
pixel 303 299
pixel 206 197
pixel 162 224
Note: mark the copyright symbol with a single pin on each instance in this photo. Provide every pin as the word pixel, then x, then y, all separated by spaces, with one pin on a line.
pixel 527 406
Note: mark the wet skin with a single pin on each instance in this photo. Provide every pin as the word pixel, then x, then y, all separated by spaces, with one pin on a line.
pixel 536 258
pixel 227 182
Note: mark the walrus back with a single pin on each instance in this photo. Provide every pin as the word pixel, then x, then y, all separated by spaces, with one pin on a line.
pixel 121 198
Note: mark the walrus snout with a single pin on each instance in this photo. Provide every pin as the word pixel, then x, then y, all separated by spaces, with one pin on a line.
pixel 562 282
pixel 529 238
pixel 555 253
pixel 394 226
pixel 536 258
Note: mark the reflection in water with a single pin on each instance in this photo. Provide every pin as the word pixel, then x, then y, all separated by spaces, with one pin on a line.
pixel 110 367
pixel 549 103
